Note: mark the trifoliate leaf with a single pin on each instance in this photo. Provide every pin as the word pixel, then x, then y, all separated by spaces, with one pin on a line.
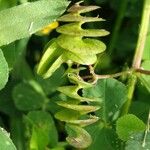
pixel 128 125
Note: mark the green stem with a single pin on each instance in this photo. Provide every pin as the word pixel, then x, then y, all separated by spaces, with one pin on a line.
pixel 119 19
pixel 138 54
pixel 130 91
pixel 142 35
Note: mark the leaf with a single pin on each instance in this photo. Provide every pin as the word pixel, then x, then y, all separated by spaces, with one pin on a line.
pixel 24 20
pixel 111 95
pixel 13 52
pixel 51 84
pixel 140 109
pixel 145 79
pixel 43 130
pixel 137 142
pixel 3 70
pixel 103 137
pixel 5 142
pixel 128 125
pixel 22 70
pixel 6 4
pixel 28 96
pixel 6 102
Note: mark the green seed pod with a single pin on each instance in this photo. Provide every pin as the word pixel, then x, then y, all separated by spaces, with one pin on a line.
pixel 75 114
pixel 74 45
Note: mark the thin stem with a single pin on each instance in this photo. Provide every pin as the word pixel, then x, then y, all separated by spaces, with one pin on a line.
pixel 147 130
pixel 105 76
pixel 142 35
pixel 130 91
pixel 119 19
pixel 113 75
pixel 143 71
pixel 138 55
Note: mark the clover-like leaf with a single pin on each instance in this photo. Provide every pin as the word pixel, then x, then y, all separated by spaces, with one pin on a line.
pixel 109 100
pixel 137 142
pixel 42 129
pixel 128 125
pixel 28 96
pixel 3 70
pixel 5 142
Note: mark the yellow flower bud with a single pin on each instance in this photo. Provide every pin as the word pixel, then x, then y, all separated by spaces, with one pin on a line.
pixel 46 30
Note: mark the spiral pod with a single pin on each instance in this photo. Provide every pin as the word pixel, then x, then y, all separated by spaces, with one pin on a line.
pixel 74 45
pixel 75 114
pixel 70 45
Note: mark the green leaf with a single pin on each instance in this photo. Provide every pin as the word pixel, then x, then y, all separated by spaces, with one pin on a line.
pixel 43 130
pixel 28 96
pixel 22 70
pixel 128 125
pixel 3 70
pixel 140 109
pixel 103 137
pixel 136 142
pixel 14 51
pixel 9 53
pixel 6 102
pixel 145 79
pixel 111 95
pixel 24 20
pixel 51 84
pixel 5 141
pixel 6 4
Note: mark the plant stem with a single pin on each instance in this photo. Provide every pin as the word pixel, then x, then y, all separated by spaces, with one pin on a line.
pixel 142 35
pixel 105 76
pixel 138 54
pixel 113 75
pixel 130 91
pixel 143 71
pixel 115 33
pixel 146 131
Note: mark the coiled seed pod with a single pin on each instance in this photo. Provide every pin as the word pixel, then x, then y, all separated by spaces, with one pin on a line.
pixel 75 46
pixel 75 114
pixel 71 45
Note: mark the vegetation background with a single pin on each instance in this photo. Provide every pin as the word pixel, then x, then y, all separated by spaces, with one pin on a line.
pixel 27 101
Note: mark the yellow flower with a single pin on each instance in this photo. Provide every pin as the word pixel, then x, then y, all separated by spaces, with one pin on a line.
pixel 46 30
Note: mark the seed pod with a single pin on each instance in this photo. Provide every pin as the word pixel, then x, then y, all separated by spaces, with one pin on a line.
pixel 74 46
